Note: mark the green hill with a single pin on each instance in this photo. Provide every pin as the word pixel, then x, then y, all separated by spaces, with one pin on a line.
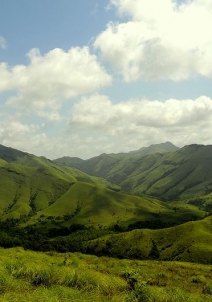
pixel 30 184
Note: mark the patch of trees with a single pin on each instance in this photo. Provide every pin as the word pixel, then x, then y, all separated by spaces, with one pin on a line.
pixel 40 238
pixel 149 224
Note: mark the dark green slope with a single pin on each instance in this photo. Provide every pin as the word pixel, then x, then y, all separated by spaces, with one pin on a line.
pixel 182 174
pixel 12 155
pixel 132 166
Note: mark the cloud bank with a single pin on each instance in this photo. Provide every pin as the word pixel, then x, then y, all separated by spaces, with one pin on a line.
pixel 98 112
pixel 144 121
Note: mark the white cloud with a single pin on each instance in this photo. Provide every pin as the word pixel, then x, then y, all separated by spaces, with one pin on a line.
pixel 97 112
pixel 51 78
pixel 3 43
pixel 18 135
pixel 163 40
pixel 144 121
pixel 27 104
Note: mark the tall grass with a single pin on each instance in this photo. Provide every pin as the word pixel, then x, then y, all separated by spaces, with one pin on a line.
pixel 31 276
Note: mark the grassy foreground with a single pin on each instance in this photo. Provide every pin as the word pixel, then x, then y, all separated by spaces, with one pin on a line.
pixel 32 276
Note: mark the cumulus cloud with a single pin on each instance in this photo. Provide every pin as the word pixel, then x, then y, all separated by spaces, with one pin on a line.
pixel 18 135
pixel 162 40
pixel 3 43
pixel 51 78
pixel 149 121
pixel 97 125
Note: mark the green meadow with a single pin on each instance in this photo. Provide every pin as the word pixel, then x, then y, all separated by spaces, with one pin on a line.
pixel 34 276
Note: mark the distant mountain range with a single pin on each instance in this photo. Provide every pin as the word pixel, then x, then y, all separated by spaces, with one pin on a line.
pixel 88 164
pixel 110 166
pixel 164 170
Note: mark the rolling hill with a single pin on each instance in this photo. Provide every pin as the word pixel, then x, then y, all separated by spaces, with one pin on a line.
pixel 191 241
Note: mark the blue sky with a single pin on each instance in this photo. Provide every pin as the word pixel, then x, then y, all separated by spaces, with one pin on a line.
pixel 80 78
pixel 50 24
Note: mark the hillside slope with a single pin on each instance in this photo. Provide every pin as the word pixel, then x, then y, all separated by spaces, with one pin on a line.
pixel 29 184
pixel 33 186
pixel 191 242
pixel 182 174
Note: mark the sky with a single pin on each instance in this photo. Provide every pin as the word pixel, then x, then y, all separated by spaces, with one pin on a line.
pixel 81 78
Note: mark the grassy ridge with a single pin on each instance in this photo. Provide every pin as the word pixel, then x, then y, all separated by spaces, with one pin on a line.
pixel 24 189
pixel 191 241
pixel 30 276
pixel 176 175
